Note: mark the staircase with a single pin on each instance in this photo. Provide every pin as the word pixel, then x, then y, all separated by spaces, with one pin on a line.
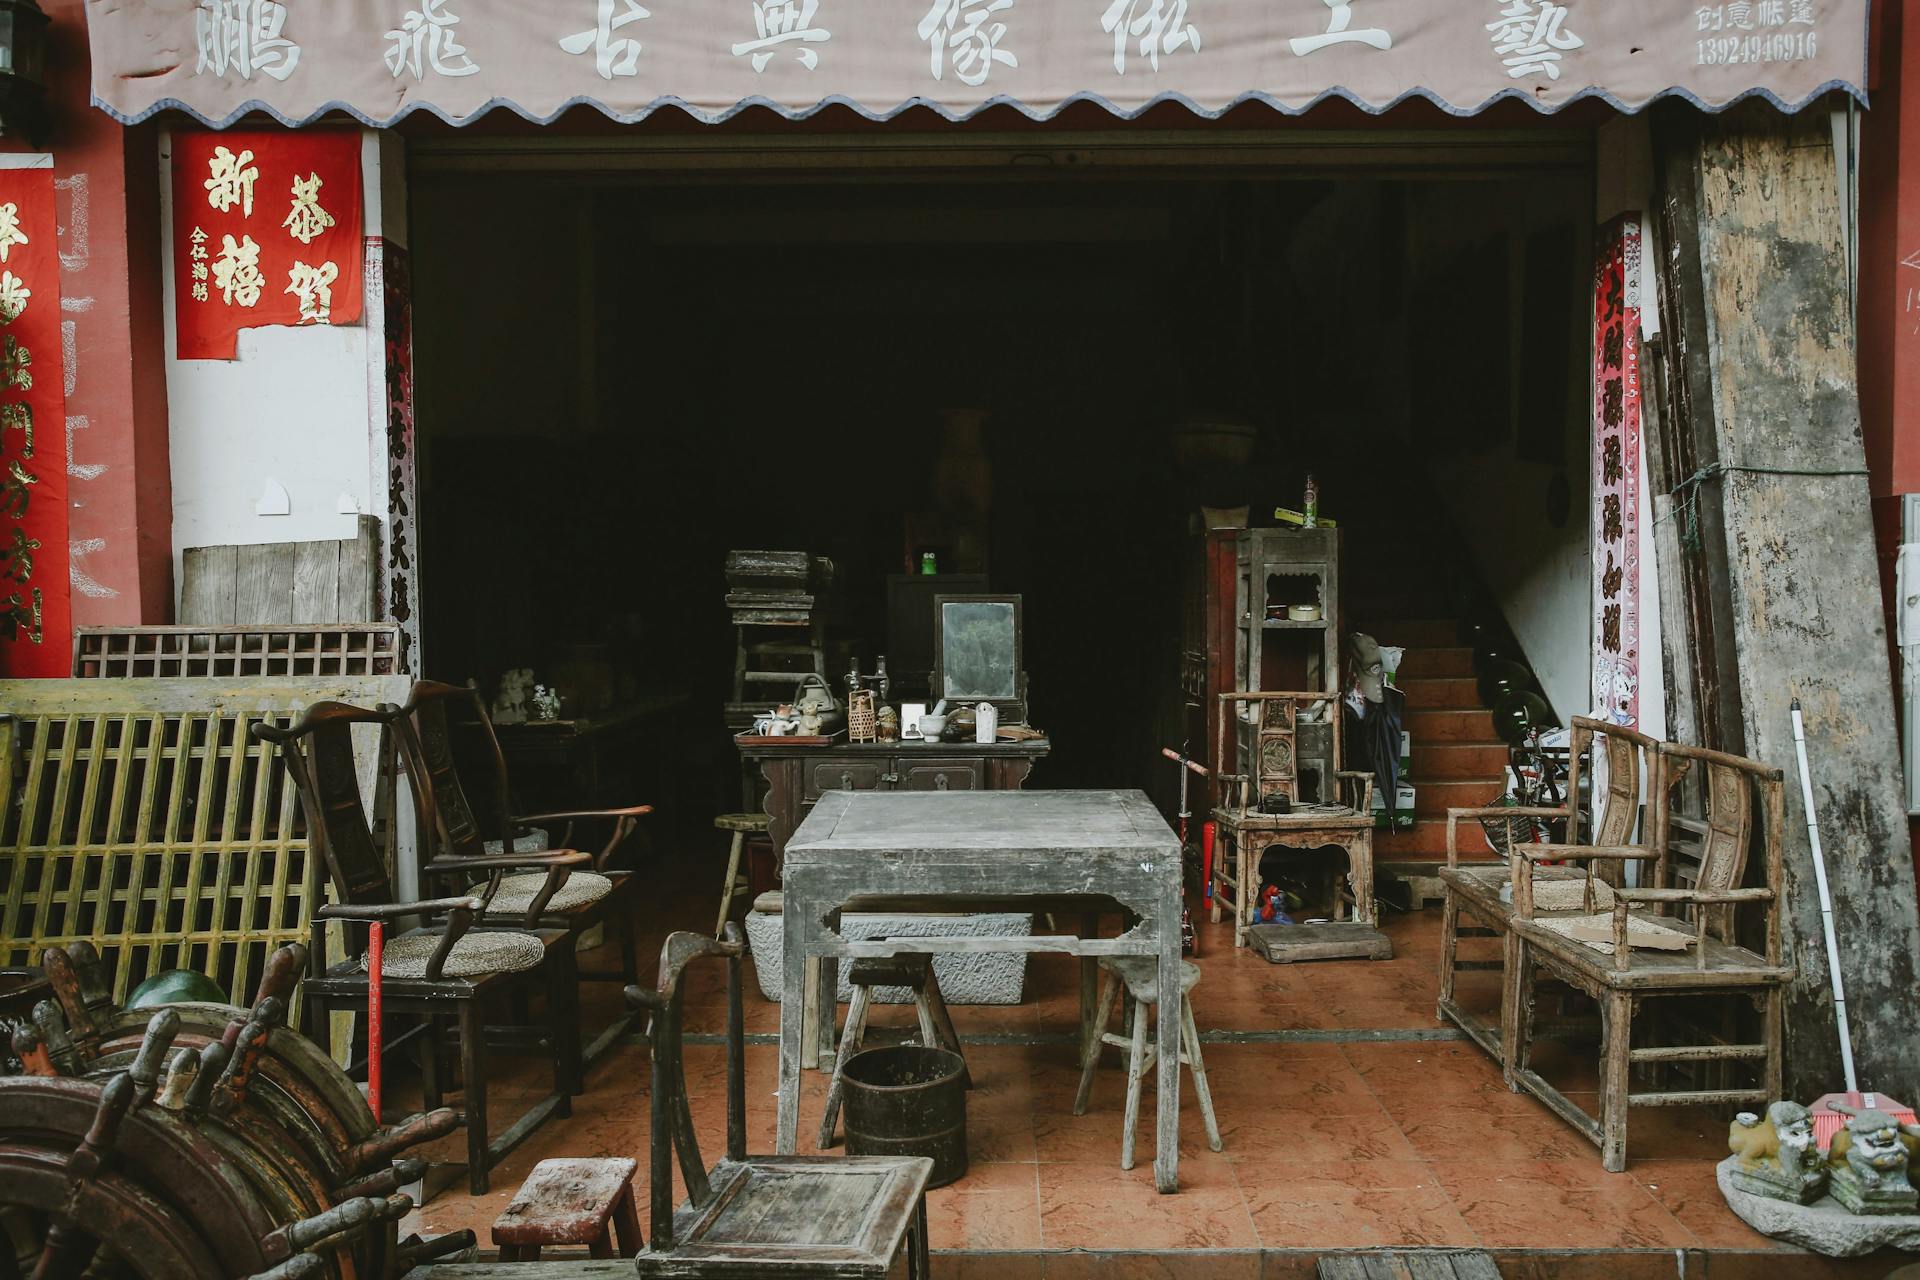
pixel 1457 759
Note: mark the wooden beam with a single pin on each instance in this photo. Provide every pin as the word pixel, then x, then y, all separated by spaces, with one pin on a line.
pixel 1762 387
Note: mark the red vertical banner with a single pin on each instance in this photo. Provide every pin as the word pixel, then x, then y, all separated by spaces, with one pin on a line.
pixel 36 621
pixel 1617 285
pixel 266 230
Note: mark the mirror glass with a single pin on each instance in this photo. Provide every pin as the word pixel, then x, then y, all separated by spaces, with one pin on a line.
pixel 979 649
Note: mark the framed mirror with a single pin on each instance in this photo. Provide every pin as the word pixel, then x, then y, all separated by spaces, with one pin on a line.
pixel 977 654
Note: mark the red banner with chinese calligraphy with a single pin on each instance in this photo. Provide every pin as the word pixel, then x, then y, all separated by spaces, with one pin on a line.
pixel 36 626
pixel 266 230
pixel 1616 472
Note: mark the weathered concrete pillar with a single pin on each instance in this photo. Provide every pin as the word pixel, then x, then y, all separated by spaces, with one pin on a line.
pixel 1760 392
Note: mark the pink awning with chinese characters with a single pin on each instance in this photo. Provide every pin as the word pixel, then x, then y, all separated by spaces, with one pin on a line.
pixel 381 60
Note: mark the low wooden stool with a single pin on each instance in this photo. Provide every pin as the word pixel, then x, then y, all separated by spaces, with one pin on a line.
pixel 1138 974
pixel 742 825
pixel 571 1202
pixel 936 1026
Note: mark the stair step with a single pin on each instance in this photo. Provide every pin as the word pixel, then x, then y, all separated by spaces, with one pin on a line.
pixel 1414 633
pixel 1468 760
pixel 1441 692
pixel 1433 798
pixel 1450 660
pixel 1449 725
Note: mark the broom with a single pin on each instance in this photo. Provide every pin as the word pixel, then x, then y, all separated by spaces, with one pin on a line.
pixel 1831 1110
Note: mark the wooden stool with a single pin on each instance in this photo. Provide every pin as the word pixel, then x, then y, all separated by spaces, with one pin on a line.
pixel 571 1202
pixel 1139 975
pixel 742 825
pixel 936 1026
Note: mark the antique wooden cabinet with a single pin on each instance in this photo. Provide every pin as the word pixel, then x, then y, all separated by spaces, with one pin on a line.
pixel 797 776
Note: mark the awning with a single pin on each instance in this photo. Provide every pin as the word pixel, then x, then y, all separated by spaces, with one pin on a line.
pixel 381 60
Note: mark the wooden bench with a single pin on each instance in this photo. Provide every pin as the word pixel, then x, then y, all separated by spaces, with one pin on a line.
pixel 141 816
pixel 579 1203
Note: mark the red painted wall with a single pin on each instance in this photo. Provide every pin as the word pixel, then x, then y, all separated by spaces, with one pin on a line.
pixel 106 177
pixel 1889 287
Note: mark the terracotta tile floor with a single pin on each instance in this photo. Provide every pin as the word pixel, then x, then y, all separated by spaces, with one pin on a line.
pixel 1348 1142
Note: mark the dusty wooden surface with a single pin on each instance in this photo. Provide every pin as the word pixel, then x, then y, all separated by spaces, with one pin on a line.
pixel 1100 844
pixel 282 582
pixel 1759 291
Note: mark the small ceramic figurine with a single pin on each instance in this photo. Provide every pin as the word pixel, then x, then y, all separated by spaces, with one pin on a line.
pixel 889 719
pixel 1870 1166
pixel 545 703
pixel 1778 1157
pixel 510 703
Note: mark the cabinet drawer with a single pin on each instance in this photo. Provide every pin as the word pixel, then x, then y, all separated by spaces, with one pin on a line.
pixel 845 775
pixel 941 775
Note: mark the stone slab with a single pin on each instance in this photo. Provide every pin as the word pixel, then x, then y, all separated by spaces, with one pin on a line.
pixel 1823 1226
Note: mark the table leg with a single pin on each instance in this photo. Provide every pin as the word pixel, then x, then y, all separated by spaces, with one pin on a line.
pixel 828 1008
pixel 1166 1152
pixel 793 983
pixel 1089 985
pixel 810 1004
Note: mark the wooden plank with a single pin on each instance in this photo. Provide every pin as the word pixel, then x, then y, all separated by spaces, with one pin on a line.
pixel 206 593
pixel 263 584
pixel 359 573
pixel 1295 943
pixel 316 582
pixel 1342 1267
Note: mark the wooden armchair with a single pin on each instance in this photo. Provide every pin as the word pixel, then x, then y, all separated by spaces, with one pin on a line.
pixel 473 853
pixel 446 969
pixel 820 1216
pixel 1704 976
pixel 1267 737
pixel 1474 904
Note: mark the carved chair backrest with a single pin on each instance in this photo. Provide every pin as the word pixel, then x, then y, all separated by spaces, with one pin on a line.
pixel 455 826
pixel 1260 734
pixel 1722 835
pixel 673 1132
pixel 318 752
pixel 1616 809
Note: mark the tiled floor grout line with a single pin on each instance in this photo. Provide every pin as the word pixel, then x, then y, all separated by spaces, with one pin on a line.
pixel 1425 1162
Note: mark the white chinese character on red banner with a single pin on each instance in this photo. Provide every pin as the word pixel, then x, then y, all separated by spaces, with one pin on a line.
pixel 1529 37
pixel 782 22
pixel 1339 22
pixel 314 285
pixel 10 232
pixel 237 272
pixel 611 57
pixel 13 297
pixel 230 181
pixel 961 27
pixel 243 35
pixel 424 41
pixel 306 219
pixel 1160 26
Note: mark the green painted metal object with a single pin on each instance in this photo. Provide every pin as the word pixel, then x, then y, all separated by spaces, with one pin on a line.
pixel 176 986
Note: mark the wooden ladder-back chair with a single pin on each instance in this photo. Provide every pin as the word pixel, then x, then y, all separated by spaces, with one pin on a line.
pixel 1480 897
pixel 1262 733
pixel 1712 969
pixel 471 852
pixel 431 971
pixel 820 1216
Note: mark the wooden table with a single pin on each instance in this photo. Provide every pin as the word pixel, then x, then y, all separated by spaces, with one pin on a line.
pixel 563 764
pixel 957 852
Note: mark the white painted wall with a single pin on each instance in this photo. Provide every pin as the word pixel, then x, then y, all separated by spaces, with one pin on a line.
pixel 297 408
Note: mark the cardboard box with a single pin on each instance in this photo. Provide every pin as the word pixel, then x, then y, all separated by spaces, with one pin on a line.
pixel 1402 818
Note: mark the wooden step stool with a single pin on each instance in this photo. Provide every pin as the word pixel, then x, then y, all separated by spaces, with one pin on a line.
pixel 914 971
pixel 571 1202
pixel 1137 977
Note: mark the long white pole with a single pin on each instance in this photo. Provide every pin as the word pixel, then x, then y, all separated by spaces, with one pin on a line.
pixel 1826 901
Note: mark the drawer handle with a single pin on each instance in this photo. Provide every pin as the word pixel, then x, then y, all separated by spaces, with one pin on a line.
pixel 889 778
pixel 846 780
pixel 939 782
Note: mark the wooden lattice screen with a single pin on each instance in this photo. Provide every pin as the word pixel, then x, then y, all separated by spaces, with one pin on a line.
pixel 141 816
pixel 316 650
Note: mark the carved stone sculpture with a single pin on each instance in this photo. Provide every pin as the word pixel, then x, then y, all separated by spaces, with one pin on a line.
pixel 1869 1166
pixel 1777 1156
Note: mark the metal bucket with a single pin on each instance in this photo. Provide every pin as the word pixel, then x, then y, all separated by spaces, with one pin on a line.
pixel 906 1100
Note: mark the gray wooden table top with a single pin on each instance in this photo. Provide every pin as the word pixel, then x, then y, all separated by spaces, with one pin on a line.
pixel 1017 824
